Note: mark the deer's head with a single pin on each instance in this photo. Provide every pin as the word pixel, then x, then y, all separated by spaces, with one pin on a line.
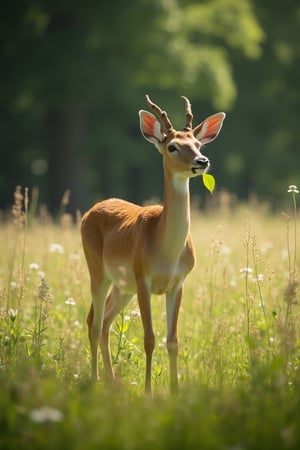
pixel 181 150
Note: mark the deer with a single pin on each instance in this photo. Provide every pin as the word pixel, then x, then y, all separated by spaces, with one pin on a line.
pixel 134 250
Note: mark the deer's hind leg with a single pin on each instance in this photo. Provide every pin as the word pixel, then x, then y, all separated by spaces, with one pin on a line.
pixel 92 244
pixel 116 301
pixel 99 290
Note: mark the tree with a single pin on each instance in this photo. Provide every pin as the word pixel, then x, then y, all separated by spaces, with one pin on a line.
pixel 262 135
pixel 74 76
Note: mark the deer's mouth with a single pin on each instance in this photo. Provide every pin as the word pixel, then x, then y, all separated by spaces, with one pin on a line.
pixel 199 170
pixel 200 165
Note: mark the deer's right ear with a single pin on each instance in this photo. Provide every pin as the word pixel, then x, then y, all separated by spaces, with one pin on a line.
pixel 151 127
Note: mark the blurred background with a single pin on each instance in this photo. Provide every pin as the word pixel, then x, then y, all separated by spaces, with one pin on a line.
pixel 74 75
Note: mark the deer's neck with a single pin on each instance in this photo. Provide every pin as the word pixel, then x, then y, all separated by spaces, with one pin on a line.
pixel 175 219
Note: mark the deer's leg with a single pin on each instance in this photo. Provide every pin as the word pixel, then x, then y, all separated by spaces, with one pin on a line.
pixel 99 289
pixel 144 300
pixel 173 301
pixel 115 302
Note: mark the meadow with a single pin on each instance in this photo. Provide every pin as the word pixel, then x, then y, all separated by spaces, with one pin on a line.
pixel 239 332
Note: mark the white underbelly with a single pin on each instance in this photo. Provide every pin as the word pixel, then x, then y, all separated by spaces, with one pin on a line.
pixel 122 276
pixel 161 277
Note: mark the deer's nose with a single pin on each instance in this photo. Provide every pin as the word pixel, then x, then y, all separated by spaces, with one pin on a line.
pixel 202 161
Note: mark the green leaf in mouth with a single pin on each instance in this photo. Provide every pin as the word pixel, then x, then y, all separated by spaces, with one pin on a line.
pixel 209 182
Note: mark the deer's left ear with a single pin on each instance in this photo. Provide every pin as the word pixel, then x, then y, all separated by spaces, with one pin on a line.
pixel 209 129
pixel 151 128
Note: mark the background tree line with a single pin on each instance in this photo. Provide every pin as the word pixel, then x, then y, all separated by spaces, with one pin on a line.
pixel 74 75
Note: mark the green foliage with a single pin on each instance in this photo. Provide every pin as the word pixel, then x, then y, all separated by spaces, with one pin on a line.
pixel 62 51
pixel 263 155
pixel 198 418
pixel 74 75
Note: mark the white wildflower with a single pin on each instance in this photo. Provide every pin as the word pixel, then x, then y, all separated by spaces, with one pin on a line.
pixel 56 248
pixel 260 277
pixel 246 271
pixel 46 414
pixel 70 301
pixel 293 188
pixel 12 313
pixel 135 313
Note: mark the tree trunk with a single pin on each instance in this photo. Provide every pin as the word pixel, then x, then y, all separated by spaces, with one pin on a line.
pixel 66 128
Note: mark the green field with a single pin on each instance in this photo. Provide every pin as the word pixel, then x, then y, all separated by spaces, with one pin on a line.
pixel 239 332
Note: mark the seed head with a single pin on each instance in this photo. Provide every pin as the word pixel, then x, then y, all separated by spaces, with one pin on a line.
pixel 293 188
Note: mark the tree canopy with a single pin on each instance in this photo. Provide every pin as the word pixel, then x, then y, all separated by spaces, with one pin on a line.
pixel 74 74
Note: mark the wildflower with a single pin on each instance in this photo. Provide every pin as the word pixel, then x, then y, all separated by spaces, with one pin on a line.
pixel 33 266
pixel 46 414
pixel 17 208
pixel 56 248
pixel 12 314
pixel 43 291
pixel 135 313
pixel 70 301
pixel 13 284
pixel 293 188
pixel 246 271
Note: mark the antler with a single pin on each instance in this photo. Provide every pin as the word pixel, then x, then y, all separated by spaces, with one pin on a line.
pixel 188 114
pixel 162 115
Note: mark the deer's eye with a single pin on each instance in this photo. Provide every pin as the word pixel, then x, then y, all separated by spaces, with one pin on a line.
pixel 172 148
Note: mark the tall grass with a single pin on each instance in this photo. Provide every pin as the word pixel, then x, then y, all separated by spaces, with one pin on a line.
pixel 239 340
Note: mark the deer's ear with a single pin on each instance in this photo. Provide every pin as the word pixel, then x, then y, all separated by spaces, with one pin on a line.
pixel 209 129
pixel 151 128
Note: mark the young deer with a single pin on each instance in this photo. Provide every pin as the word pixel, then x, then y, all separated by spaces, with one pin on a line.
pixel 143 250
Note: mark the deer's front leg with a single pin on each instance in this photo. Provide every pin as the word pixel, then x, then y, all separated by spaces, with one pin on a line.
pixel 173 301
pixel 144 301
